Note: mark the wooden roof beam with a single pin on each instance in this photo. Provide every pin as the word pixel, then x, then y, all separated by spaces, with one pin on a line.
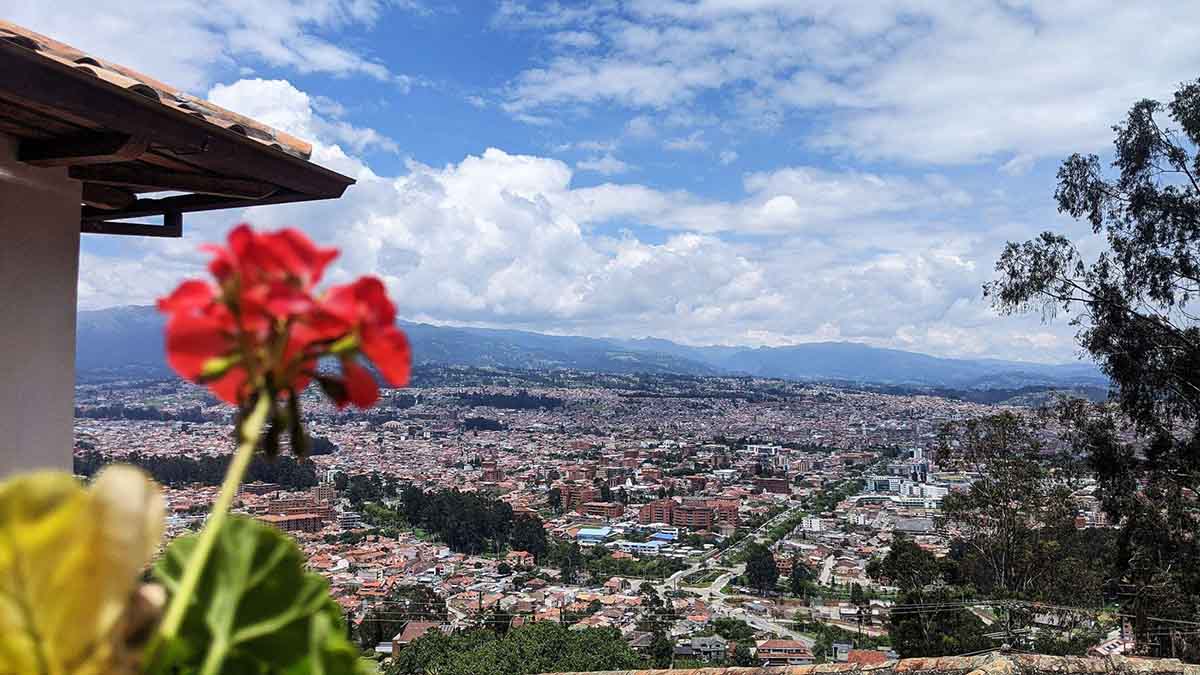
pixel 149 206
pixel 172 226
pixel 45 86
pixel 107 197
pixel 88 148
pixel 142 179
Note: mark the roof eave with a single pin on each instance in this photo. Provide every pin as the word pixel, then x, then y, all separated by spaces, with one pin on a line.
pixel 56 89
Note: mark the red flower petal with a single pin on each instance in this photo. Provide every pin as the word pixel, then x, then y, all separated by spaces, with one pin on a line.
pixel 364 301
pixel 193 339
pixel 360 385
pixel 191 294
pixel 284 300
pixel 341 303
pixel 316 328
pixel 379 309
pixel 229 386
pixel 292 354
pixel 222 265
pixel 299 255
pixel 388 349
pixel 241 241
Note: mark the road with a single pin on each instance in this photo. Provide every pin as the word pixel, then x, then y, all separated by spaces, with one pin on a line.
pixel 714 593
pixel 458 619
pixel 826 571
pixel 753 536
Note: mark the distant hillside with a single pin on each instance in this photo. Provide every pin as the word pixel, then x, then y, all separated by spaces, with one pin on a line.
pixel 120 338
pixel 482 347
pixel 858 363
pixel 131 338
pixel 126 339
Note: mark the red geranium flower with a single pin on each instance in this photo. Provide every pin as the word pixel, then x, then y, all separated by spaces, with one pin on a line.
pixel 262 329
pixel 269 256
pixel 362 312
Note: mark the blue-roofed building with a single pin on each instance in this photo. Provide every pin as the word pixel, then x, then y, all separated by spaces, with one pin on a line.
pixel 640 547
pixel 593 535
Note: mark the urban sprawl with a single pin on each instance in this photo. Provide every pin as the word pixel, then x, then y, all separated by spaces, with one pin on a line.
pixel 644 498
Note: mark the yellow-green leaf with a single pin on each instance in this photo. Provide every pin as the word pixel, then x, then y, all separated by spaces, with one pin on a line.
pixel 216 367
pixel 70 558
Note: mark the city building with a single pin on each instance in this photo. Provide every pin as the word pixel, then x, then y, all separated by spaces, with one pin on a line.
pixel 325 492
pixel 588 536
pixel 575 495
pixel 783 653
pixel 299 522
pixel 692 516
pixel 659 511
pixel 608 510
pixel 777 486
pixel 412 631
pixel 725 511
pixel 491 474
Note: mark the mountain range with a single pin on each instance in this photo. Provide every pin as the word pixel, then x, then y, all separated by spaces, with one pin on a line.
pixel 130 339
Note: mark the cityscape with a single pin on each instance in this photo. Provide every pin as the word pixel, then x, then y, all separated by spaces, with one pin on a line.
pixel 633 493
pixel 608 337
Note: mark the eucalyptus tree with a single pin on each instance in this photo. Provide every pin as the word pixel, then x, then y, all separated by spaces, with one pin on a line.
pixel 1133 306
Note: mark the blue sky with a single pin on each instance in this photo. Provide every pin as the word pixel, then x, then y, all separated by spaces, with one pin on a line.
pixel 711 171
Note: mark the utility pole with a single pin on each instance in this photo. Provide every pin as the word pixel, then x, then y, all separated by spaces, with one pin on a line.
pixel 1008 632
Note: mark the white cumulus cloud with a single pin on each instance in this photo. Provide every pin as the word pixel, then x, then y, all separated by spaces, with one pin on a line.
pixel 505 239
pixel 187 44
pixel 947 82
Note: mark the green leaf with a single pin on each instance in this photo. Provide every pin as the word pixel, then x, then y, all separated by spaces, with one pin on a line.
pixel 346 345
pixel 328 649
pixel 217 366
pixel 255 609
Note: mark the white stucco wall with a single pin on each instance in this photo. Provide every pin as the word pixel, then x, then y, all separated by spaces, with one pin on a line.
pixel 39 263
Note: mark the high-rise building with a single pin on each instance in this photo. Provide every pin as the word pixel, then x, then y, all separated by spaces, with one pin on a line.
pixel 575 494
pixel 491 472
pixel 692 516
pixel 777 486
pixel 725 511
pixel 325 492
pixel 609 510
pixel 660 511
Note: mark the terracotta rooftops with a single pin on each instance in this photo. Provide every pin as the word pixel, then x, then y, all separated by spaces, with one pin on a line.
pixel 994 663
pixel 123 134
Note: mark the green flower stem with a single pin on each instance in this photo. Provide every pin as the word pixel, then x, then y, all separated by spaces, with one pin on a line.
pixel 251 428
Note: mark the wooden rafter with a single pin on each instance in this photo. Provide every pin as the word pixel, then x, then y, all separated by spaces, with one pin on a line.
pixel 43 86
pixel 89 148
pixel 125 136
pixel 140 179
pixel 107 197
pixel 172 226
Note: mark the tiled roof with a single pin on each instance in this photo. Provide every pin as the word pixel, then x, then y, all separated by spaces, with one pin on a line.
pixel 866 656
pixel 153 89
pixel 140 148
pixel 780 644
pixel 413 630
pixel 987 664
